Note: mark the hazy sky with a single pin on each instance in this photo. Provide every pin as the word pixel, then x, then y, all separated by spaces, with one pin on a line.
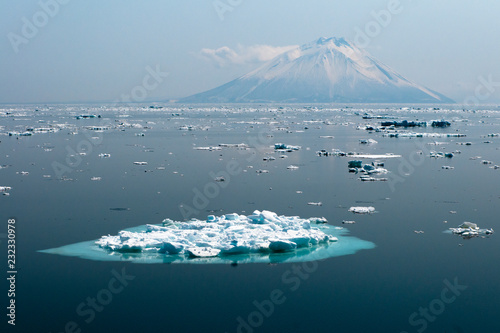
pixel 77 51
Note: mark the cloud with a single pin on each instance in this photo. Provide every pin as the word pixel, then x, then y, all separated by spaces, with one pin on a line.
pixel 243 54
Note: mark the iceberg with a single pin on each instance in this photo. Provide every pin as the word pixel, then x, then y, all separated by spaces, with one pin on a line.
pixel 262 237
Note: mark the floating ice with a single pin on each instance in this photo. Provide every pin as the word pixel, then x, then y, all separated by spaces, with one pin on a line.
pixel 423 135
pixel 362 210
pixel 141 163
pixel 469 230
pixel 208 148
pixel 338 152
pixel 440 123
pixel 261 237
pixel 377 156
pixel 234 145
pixel 5 188
pixel 284 147
pixel 366 142
pixel 436 154
pixel 404 123
pixel 366 178
pixel 86 116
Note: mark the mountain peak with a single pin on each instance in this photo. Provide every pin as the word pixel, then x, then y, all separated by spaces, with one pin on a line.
pixel 326 70
pixel 336 41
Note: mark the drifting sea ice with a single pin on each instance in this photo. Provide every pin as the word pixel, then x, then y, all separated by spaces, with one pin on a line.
pixel 232 238
pixel 469 230
pixel 362 210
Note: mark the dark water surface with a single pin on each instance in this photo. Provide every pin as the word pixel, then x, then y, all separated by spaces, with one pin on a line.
pixel 403 284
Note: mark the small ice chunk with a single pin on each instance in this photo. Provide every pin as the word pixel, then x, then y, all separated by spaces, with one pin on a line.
pixel 282 245
pixel 318 220
pixel 467 225
pixel 171 248
pixel 231 217
pixel 284 147
pixel 362 210
pixel 369 141
pixel 202 252
pixel 354 164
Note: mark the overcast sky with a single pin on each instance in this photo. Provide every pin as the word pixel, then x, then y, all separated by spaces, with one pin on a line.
pixel 78 51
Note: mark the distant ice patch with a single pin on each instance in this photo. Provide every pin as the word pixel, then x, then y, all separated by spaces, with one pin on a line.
pixel 262 237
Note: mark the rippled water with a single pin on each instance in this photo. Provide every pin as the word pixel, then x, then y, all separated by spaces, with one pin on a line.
pixel 378 290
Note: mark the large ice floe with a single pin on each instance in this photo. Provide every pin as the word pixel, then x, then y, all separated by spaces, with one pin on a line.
pixel 262 237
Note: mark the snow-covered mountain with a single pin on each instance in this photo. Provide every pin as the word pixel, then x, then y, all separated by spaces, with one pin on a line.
pixel 323 71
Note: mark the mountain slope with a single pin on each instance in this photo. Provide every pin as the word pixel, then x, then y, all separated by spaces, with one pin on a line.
pixel 324 71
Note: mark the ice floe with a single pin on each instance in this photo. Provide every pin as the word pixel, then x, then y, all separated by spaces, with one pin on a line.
pixel 284 147
pixel 422 135
pixel 338 152
pixel 362 210
pixel 260 237
pixel 469 230
pixel 367 141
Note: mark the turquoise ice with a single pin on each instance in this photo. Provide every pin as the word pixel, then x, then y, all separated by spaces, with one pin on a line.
pixel 263 237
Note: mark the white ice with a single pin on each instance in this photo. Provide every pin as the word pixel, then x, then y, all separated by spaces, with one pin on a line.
pixel 362 210
pixel 469 230
pixel 263 231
